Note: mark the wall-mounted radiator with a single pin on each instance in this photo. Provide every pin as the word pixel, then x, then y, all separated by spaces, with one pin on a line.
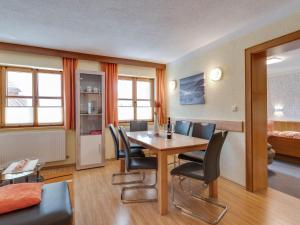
pixel 48 146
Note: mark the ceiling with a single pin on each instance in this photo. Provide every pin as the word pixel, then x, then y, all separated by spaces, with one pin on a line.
pixel 152 30
pixel 290 64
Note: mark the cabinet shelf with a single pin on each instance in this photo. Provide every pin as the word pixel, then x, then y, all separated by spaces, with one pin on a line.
pixel 92 114
pixel 90 93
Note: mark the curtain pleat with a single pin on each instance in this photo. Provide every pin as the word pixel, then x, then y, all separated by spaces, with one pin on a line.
pixel 111 92
pixel 161 95
pixel 69 70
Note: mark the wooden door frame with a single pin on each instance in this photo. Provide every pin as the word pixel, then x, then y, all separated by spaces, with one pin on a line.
pixel 256 107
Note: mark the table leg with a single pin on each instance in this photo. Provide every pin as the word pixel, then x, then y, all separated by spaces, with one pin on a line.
pixel 213 189
pixel 122 166
pixel 163 183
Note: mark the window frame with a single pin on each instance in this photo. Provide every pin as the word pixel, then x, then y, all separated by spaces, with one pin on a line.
pixel 35 97
pixel 134 96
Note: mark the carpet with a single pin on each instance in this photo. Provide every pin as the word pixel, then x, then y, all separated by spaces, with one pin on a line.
pixel 284 177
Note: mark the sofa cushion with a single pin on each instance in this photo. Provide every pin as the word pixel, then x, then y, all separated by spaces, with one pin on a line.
pixel 19 196
pixel 54 209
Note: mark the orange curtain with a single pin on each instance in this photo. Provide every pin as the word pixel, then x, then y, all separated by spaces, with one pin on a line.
pixel 69 69
pixel 111 93
pixel 161 95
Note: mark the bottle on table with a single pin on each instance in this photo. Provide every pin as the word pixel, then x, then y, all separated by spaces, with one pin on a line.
pixel 169 129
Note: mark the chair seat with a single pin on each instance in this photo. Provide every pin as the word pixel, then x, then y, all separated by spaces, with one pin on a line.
pixel 134 145
pixel 135 152
pixel 195 156
pixel 143 163
pixel 190 169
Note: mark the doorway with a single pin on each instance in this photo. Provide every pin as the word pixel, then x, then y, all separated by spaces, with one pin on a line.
pixel 256 107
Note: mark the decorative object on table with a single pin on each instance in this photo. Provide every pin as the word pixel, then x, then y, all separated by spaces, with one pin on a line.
pixel 169 129
pixel 22 171
pixel 156 125
pixel 192 90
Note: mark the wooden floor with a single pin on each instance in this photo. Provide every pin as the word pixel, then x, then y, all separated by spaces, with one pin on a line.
pixel 97 202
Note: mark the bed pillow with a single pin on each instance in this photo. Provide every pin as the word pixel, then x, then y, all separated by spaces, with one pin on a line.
pixel 19 196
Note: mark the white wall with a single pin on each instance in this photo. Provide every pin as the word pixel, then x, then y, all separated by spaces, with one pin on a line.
pixel 222 95
pixel 284 90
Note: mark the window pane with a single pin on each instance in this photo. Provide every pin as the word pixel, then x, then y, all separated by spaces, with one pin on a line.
pixel 49 84
pixel 19 83
pixel 125 89
pixel 124 103
pixel 50 115
pixel 144 103
pixel 125 113
pixel 19 102
pixel 143 90
pixel 49 102
pixel 18 115
pixel 144 113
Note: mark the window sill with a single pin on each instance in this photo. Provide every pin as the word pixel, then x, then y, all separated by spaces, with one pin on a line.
pixel 3 129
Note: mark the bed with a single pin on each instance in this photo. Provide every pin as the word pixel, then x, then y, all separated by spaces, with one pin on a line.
pixel 285 143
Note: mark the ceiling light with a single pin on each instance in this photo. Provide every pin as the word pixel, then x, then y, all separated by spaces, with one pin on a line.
pixel 273 60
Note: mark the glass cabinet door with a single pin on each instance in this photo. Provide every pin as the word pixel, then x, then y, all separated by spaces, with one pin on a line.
pixel 90 104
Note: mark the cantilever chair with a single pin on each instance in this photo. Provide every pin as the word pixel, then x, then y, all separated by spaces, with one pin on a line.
pixel 137 126
pixel 145 163
pixel 181 127
pixel 200 130
pixel 120 154
pixel 208 171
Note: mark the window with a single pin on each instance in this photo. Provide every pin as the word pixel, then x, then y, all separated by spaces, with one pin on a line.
pixel 135 98
pixel 31 97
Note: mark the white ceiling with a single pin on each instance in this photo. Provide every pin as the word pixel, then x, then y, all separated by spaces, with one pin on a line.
pixel 290 64
pixel 153 30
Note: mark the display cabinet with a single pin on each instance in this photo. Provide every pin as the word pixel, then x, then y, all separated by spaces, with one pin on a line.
pixel 90 119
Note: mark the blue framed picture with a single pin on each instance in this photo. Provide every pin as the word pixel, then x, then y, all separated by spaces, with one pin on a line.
pixel 192 90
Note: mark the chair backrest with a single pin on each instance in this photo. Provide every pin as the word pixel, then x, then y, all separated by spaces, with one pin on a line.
pixel 182 127
pixel 203 130
pixel 138 126
pixel 126 142
pixel 211 163
pixel 115 139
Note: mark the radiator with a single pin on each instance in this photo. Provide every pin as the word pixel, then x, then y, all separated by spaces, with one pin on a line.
pixel 47 146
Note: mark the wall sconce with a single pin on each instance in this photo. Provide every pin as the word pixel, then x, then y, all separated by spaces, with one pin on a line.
pixel 278 110
pixel 216 74
pixel 172 84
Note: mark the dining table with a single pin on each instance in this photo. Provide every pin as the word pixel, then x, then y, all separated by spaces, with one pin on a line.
pixel 163 147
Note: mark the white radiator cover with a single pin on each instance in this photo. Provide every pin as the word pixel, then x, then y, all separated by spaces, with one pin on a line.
pixel 48 146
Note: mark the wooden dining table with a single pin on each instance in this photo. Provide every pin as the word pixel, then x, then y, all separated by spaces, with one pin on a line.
pixel 163 147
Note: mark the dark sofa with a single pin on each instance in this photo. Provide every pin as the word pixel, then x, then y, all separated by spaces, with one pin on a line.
pixel 54 209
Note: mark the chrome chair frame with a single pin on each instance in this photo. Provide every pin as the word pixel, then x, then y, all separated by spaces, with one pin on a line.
pixel 198 197
pixel 136 187
pixel 140 180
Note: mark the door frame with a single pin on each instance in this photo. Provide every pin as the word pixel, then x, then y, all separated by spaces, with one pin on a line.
pixel 256 106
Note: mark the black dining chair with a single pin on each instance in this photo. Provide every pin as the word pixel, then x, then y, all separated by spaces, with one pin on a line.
pixel 145 163
pixel 208 171
pixel 200 130
pixel 181 127
pixel 135 125
pixel 120 154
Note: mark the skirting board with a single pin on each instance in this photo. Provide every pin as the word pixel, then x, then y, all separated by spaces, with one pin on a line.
pixel 234 126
